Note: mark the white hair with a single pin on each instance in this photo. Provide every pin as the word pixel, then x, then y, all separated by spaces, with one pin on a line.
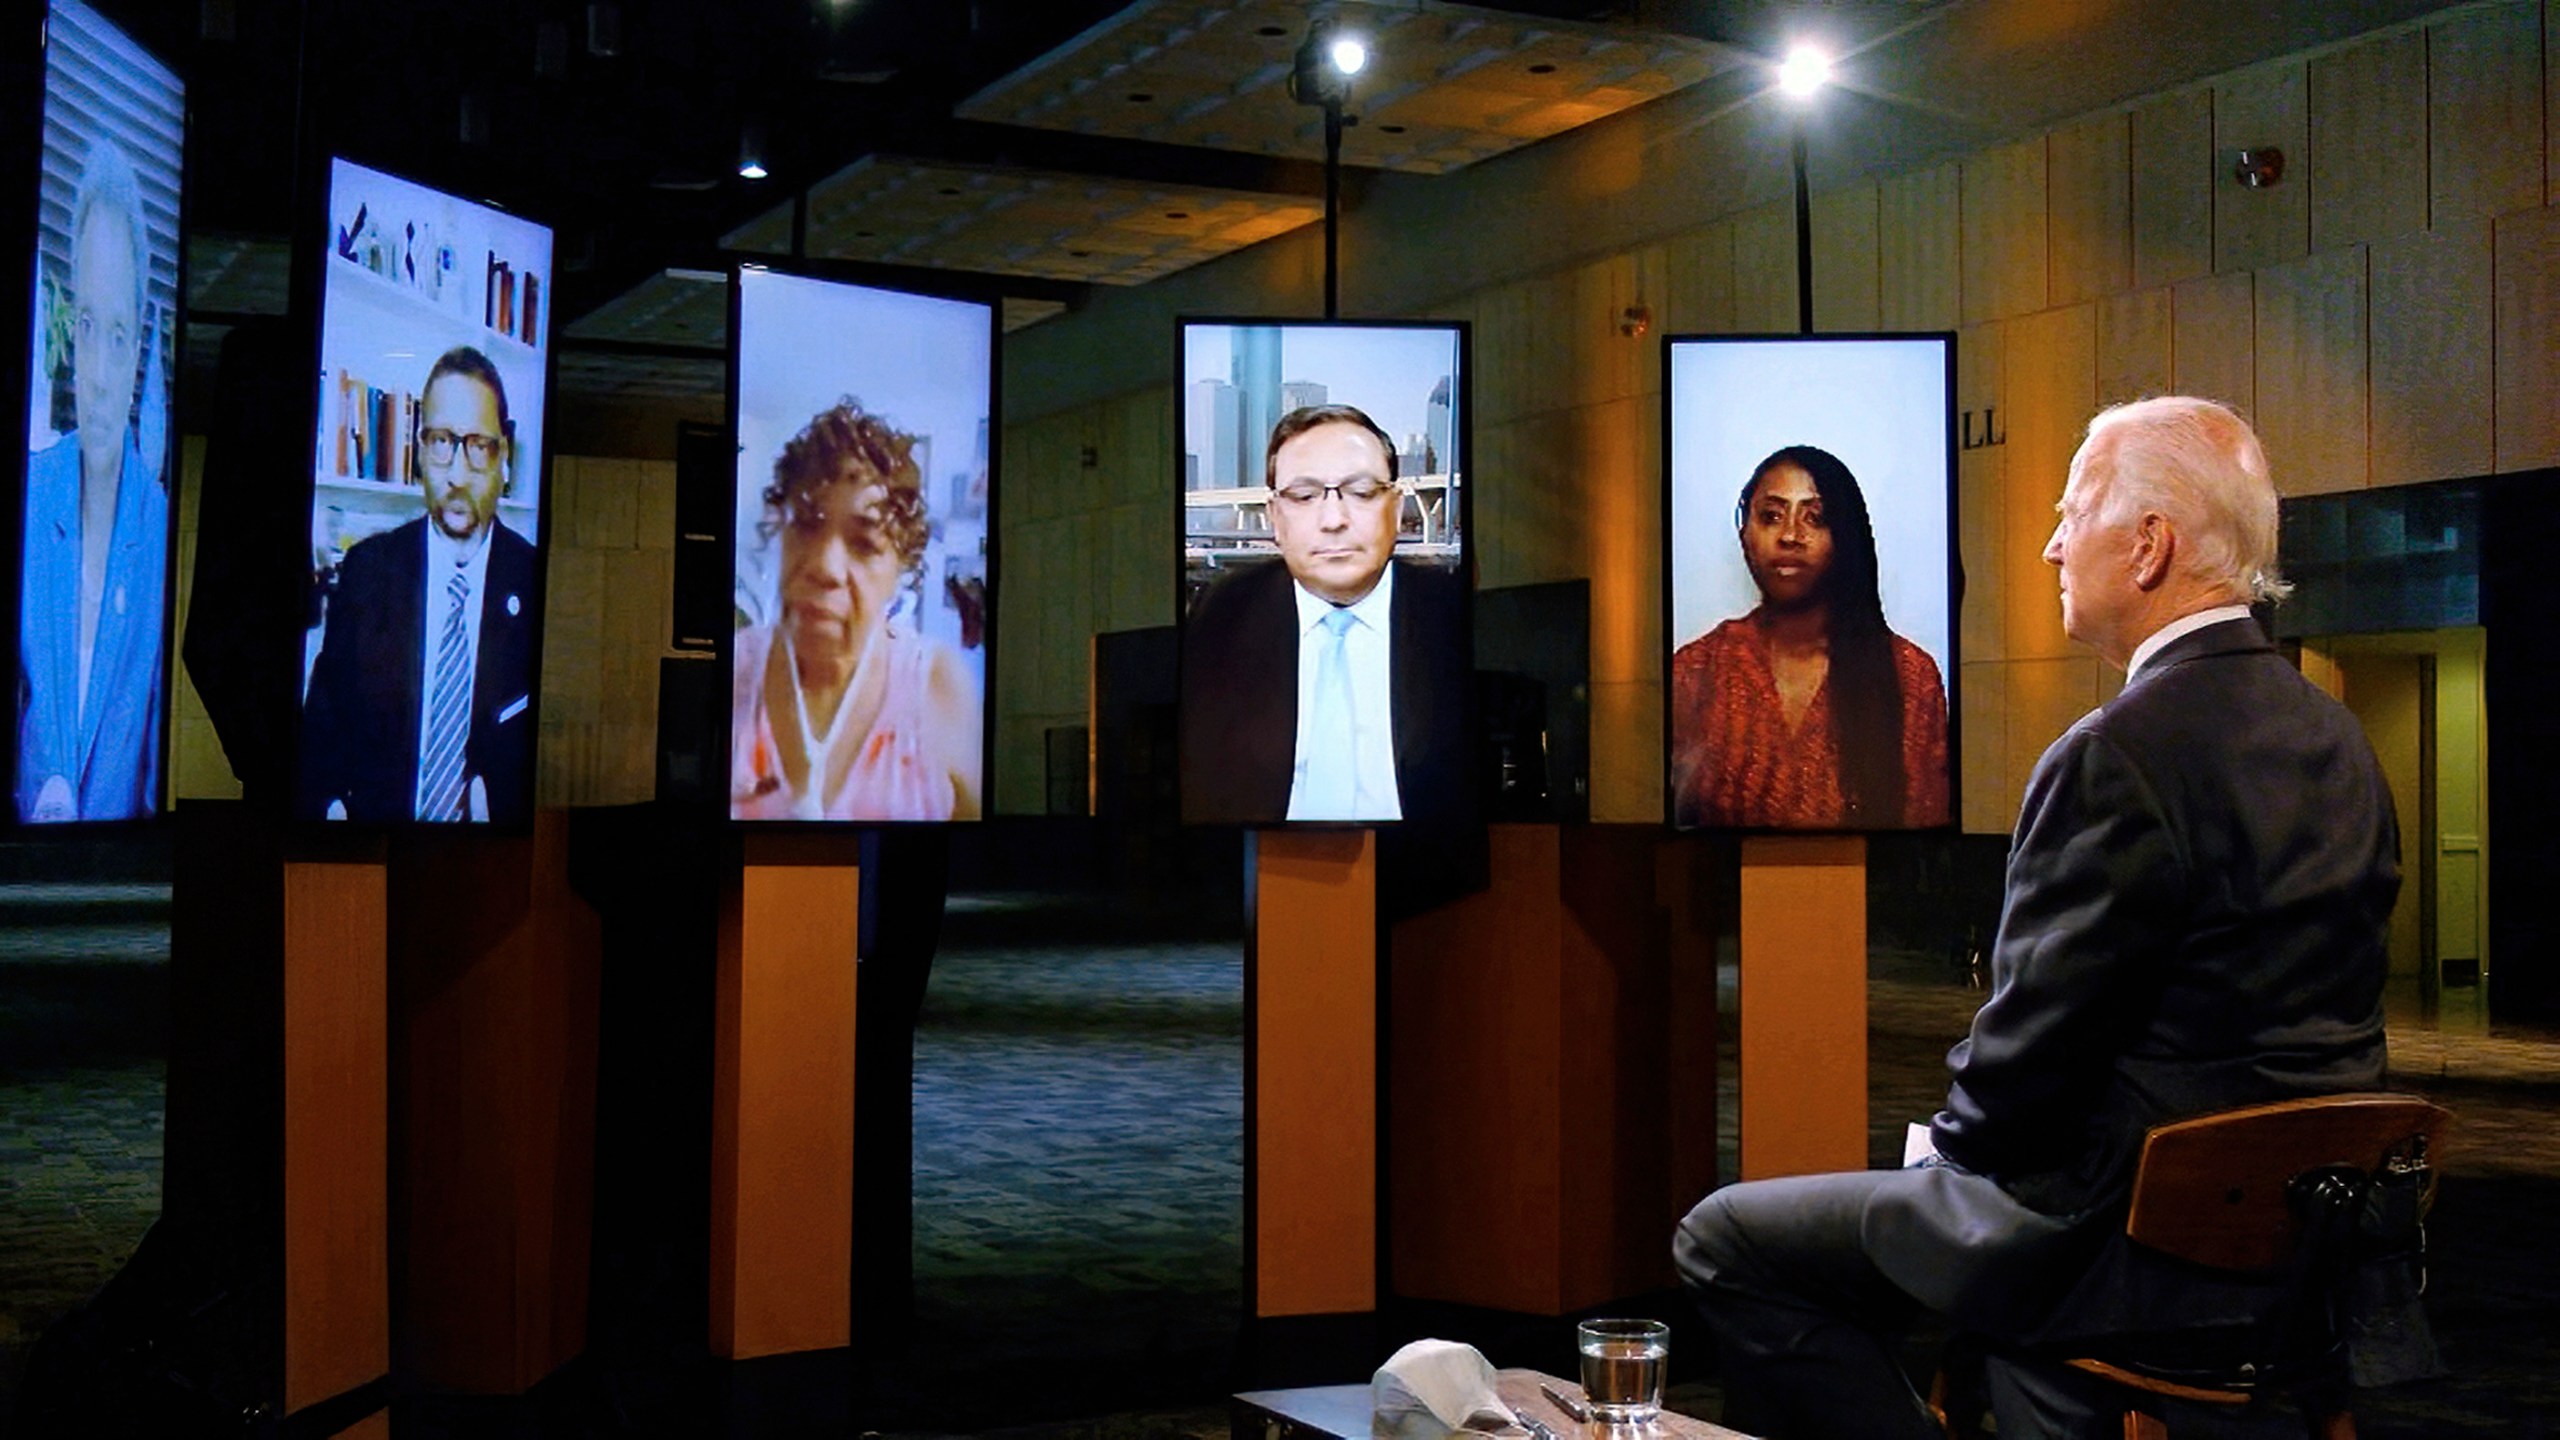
pixel 2199 464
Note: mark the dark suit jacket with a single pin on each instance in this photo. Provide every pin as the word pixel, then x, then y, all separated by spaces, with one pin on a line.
pixel 1239 700
pixel 360 716
pixel 2197 896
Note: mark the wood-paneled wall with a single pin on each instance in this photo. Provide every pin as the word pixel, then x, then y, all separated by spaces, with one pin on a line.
pixel 2389 313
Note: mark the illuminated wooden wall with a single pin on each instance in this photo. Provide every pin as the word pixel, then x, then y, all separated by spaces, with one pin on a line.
pixel 2390 313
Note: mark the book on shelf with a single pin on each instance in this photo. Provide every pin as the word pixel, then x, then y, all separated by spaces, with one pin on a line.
pixel 376 432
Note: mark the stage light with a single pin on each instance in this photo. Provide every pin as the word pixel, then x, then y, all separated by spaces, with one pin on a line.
pixel 1350 54
pixel 751 151
pixel 1805 70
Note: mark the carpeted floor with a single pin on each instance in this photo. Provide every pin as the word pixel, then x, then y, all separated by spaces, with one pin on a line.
pixel 1078 1115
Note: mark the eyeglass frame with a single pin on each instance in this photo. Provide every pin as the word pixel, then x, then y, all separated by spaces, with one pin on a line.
pixel 462 442
pixel 1338 489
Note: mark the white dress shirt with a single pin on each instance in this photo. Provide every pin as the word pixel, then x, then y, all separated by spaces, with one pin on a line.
pixel 1373 750
pixel 2183 625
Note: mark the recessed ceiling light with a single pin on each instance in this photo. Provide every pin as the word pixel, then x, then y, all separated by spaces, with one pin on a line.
pixel 1140 97
pixel 1542 68
pixel 1177 214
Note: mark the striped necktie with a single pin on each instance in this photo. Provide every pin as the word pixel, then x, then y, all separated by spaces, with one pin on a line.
pixel 449 713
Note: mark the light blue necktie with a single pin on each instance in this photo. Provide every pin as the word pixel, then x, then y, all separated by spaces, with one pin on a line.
pixel 449 710
pixel 1333 784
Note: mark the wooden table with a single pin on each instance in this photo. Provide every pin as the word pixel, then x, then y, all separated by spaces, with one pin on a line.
pixel 1341 1412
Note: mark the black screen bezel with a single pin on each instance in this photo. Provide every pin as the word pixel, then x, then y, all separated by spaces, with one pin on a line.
pixel 1954 571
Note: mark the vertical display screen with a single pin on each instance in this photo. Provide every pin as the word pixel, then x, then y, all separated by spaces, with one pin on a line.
pixel 92 643
pixel 420 666
pixel 862 588
pixel 1810 576
pixel 1325 605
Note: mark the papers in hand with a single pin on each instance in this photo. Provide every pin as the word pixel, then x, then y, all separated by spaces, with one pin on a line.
pixel 1916 1144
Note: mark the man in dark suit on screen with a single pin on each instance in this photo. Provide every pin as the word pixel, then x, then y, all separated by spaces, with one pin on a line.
pixel 2197 896
pixel 1330 684
pixel 420 705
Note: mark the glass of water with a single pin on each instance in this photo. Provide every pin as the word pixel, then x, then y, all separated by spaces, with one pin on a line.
pixel 1622 1363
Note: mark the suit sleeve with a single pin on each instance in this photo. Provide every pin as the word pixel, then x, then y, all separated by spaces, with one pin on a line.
pixel 2097 887
pixel 321 767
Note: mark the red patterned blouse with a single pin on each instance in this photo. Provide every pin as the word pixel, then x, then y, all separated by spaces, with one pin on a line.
pixel 1734 761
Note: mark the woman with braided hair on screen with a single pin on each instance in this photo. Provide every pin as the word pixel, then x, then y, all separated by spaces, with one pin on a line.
pixel 1809 713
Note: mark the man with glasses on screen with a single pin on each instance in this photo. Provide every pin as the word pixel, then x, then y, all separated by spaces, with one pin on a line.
pixel 420 705
pixel 1330 685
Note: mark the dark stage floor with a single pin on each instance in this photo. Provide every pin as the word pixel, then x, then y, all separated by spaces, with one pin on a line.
pixel 1077 1172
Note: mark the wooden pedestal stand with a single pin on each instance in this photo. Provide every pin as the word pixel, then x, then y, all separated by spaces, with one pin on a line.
pixel 1803 1003
pixel 337 1304
pixel 782 1099
pixel 1311 1098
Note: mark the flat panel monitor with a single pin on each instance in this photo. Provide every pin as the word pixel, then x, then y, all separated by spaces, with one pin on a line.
pixel 91 643
pixel 422 664
pixel 1322 476
pixel 865 548
pixel 1809 559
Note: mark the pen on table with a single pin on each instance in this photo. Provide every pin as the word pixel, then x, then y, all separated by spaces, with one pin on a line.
pixel 1564 1402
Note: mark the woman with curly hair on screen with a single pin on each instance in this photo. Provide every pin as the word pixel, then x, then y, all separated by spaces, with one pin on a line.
pixel 843 709
pixel 1809 713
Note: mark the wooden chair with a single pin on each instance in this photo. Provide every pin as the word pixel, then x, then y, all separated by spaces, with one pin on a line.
pixel 2274 1191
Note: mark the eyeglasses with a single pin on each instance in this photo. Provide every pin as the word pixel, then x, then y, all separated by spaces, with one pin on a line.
pixel 480 452
pixel 1304 495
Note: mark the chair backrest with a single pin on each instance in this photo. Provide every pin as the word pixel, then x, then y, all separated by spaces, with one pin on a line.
pixel 2211 1189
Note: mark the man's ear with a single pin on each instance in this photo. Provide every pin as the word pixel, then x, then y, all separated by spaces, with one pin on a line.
pixel 2155 548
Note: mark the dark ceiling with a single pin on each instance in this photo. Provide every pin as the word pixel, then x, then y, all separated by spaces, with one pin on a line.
pixel 624 133
pixel 620 121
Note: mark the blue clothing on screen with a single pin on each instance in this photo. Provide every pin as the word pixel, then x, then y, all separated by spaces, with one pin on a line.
pixel 106 754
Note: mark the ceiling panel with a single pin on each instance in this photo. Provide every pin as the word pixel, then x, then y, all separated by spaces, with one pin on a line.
pixel 997 220
pixel 238 274
pixel 672 307
pixel 629 377
pixel 1447 85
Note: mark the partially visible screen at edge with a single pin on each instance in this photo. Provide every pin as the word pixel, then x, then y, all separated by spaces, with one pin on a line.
pixel 92 641
pixel 419 681
pixel 862 589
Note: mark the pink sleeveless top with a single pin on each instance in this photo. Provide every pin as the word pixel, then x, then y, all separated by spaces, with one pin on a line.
pixel 892 777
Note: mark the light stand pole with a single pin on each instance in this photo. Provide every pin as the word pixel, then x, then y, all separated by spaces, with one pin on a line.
pixel 1332 206
pixel 1805 71
pixel 1327 60
pixel 1804 234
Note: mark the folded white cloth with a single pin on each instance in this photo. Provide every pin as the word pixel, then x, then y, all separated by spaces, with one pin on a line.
pixel 1434 1389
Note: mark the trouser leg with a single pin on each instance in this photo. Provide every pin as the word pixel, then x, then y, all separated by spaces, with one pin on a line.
pixel 2051 1402
pixel 1804 1322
